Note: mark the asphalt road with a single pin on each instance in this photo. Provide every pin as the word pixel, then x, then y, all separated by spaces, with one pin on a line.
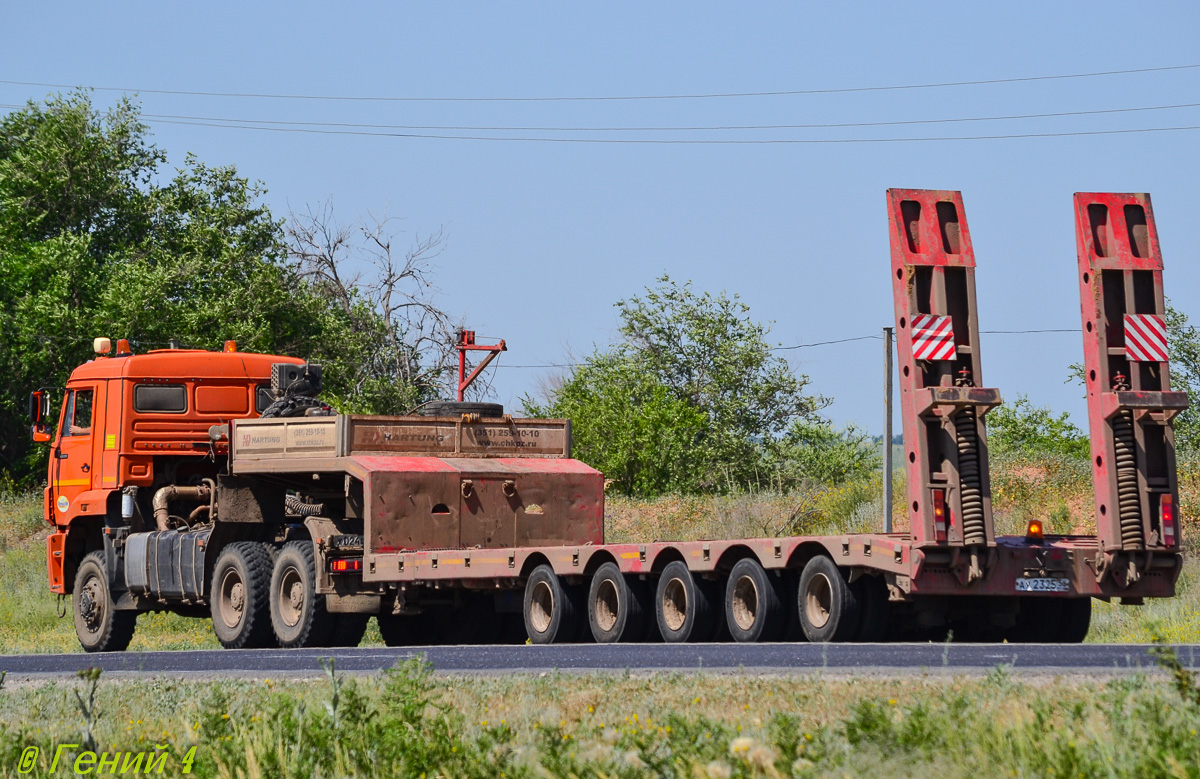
pixel 1076 659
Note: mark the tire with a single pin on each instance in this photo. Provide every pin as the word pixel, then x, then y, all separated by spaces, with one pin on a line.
pixel 348 629
pixel 240 594
pixel 826 604
pixel 454 408
pixel 298 615
pixel 875 614
pixel 551 614
pixel 616 606
pixel 753 604
pixel 1075 620
pixel 683 607
pixel 100 627
pixel 407 629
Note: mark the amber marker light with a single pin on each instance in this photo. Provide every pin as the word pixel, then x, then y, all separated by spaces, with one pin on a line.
pixel 1034 533
pixel 231 346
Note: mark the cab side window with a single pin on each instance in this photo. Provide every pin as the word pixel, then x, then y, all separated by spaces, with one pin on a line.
pixel 79 413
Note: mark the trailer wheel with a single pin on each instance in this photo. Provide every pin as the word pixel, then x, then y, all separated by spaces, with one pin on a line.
pixel 348 629
pixel 828 609
pixel 616 606
pixel 1074 620
pixel 753 604
pixel 241 589
pixel 683 606
pixel 551 613
pixel 100 627
pixel 298 614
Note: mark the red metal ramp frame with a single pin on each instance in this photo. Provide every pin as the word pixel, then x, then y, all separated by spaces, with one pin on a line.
pixel 933 281
pixel 1130 402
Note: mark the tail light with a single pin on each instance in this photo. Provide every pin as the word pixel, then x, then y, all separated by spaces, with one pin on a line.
pixel 1167 512
pixel 346 565
pixel 939 515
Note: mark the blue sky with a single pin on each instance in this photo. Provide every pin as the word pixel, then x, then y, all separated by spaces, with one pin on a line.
pixel 545 237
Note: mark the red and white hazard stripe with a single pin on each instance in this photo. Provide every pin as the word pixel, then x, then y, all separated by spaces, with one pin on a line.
pixel 933 337
pixel 1145 338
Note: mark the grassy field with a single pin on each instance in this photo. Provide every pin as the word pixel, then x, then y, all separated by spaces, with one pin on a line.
pixel 410 723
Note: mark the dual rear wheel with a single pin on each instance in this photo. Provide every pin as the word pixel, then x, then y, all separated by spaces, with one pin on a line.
pixel 266 597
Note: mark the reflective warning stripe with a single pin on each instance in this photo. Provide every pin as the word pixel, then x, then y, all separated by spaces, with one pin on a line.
pixel 72 482
pixel 1145 338
pixel 933 337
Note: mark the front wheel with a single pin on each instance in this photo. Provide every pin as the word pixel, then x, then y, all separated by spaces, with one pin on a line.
pixel 100 627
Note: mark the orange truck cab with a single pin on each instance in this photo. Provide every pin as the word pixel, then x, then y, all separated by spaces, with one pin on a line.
pixel 137 421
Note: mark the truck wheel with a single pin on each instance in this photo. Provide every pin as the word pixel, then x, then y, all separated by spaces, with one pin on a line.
pixel 753 606
pixel 1074 620
pixel 298 614
pixel 348 629
pixel 100 627
pixel 874 611
pixel 683 606
pixel 551 614
pixel 241 589
pixel 616 606
pixel 827 606
pixel 407 629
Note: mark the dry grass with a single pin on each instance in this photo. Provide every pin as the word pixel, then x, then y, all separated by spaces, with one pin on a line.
pixel 409 723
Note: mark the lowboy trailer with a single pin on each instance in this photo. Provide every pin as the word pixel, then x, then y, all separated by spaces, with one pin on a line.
pixel 216 484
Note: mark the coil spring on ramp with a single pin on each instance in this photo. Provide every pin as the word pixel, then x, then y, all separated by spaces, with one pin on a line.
pixel 966 433
pixel 1128 498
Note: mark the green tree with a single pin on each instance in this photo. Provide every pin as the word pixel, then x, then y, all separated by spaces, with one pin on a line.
pixel 95 241
pixel 817 453
pixel 691 397
pixel 1024 429
pixel 1183 343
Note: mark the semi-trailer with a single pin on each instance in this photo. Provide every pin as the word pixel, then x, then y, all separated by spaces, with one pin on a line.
pixel 216 484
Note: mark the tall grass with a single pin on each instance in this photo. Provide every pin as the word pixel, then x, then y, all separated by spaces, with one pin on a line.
pixel 411 723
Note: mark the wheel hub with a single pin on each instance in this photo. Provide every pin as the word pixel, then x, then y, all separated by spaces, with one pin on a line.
pixel 89 606
pixel 291 597
pixel 675 604
pixel 818 600
pixel 745 602
pixel 541 607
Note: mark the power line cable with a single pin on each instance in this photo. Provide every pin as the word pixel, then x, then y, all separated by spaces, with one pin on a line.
pixel 585 98
pixel 682 141
pixel 684 128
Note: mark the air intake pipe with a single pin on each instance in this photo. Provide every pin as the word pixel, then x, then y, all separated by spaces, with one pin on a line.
pixel 163 498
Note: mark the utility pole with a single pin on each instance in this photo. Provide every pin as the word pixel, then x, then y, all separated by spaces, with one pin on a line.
pixel 887 429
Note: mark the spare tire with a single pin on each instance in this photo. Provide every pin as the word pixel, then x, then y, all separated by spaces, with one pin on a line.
pixel 453 408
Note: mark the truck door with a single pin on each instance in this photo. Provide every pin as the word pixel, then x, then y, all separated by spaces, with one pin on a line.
pixel 71 459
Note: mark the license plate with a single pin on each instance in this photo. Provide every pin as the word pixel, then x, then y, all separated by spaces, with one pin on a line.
pixel 1046 584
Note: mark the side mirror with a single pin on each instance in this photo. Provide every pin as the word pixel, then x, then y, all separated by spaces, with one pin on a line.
pixel 37 417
